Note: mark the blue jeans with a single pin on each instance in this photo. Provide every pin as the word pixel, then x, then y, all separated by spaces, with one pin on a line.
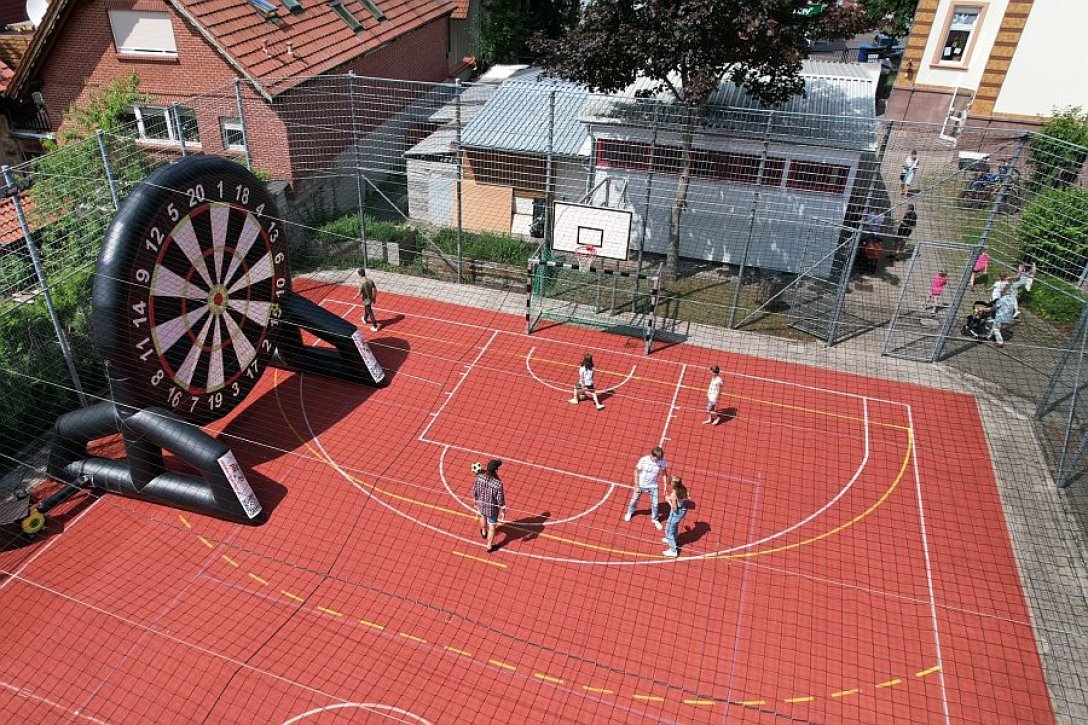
pixel 637 495
pixel 672 526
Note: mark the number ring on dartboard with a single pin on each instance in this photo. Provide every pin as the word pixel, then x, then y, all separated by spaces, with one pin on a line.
pixel 188 288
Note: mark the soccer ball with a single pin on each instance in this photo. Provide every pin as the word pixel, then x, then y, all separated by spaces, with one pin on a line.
pixel 477 467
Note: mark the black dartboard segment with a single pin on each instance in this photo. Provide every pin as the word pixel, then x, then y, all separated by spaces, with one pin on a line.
pixel 188 288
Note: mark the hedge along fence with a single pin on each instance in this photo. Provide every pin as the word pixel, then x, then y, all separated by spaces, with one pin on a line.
pixel 336 245
pixel 34 384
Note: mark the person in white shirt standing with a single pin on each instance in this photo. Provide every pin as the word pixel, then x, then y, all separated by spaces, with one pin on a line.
pixel 585 387
pixel 712 392
pixel 650 472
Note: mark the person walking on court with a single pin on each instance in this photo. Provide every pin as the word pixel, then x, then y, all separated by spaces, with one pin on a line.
pixel 649 470
pixel 490 497
pixel 712 392
pixel 585 387
pixel 368 293
pixel 677 499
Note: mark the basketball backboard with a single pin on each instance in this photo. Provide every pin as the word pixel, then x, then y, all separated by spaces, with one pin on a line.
pixel 607 231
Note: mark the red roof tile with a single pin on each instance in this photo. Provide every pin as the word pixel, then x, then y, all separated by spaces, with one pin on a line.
pixel 320 40
pixel 10 230
pixel 461 13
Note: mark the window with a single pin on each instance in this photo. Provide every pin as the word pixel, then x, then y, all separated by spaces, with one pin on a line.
pixel 962 24
pixel 346 15
pixel 139 32
pixel 620 154
pixel 234 138
pixel 818 176
pixel 156 123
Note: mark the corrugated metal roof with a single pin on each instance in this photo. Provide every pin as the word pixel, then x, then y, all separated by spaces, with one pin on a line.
pixel 837 110
pixel 516 117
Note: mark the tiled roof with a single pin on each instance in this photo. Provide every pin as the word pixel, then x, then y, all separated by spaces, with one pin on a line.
pixel 461 12
pixel 10 230
pixel 311 42
pixel 280 52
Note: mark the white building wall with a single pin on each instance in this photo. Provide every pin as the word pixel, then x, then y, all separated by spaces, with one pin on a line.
pixel 970 75
pixel 1050 66
pixel 793 230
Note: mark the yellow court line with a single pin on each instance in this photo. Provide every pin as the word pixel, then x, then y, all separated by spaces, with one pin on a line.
pixel 806 698
pixel 752 703
pixel 412 637
pixel 259 580
pixel 584 545
pixel 889 683
pixel 289 595
pixel 333 612
pixel 458 651
pixel 548 678
pixel 481 560
pixel 707 703
pixel 598 690
pixel 229 560
pixel 185 522
pixel 928 671
pixel 846 693
pixel 372 625
pixel 206 543
pixel 648 698
pixel 504 665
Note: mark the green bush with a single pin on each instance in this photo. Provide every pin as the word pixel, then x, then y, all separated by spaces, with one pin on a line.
pixel 1054 229
pixel 485 246
pixel 1054 300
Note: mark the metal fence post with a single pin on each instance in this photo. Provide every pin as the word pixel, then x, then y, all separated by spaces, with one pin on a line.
pixel 549 166
pixel 242 121
pixel 1067 462
pixel 751 222
pixel 950 320
pixel 106 166
pixel 1080 330
pixel 360 187
pixel 177 127
pixel 844 285
pixel 646 208
pixel 39 271
pixel 1002 192
pixel 460 173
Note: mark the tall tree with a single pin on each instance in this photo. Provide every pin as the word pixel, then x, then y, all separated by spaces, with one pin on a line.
pixel 688 47
pixel 891 16
pixel 506 26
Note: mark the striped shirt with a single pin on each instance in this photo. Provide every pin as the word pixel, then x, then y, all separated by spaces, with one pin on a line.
pixel 489 495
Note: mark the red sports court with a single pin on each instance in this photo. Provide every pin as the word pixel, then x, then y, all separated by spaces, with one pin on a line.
pixel 846 559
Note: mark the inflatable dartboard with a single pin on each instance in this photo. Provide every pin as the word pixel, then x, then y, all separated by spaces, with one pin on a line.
pixel 192 300
pixel 189 288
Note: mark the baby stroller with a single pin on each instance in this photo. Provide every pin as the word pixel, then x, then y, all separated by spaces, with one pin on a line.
pixel 980 323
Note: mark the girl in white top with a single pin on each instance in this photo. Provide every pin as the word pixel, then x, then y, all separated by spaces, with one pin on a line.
pixel 906 176
pixel 585 388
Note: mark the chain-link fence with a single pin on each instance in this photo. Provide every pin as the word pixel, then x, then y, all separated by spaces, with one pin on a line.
pixel 787 225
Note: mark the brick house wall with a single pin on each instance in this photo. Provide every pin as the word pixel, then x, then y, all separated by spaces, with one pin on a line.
pixel 274 129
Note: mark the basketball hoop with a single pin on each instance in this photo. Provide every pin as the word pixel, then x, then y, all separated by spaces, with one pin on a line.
pixel 585 254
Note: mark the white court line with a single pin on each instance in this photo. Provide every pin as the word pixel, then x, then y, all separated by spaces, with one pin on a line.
pixel 791 383
pixel 929 569
pixel 178 640
pixel 376 708
pixel 467 507
pixel 56 537
pixel 451 393
pixel 672 405
pixel 23 692
pixel 614 388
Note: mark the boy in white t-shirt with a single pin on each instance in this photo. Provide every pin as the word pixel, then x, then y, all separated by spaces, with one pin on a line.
pixel 650 472
pixel 712 392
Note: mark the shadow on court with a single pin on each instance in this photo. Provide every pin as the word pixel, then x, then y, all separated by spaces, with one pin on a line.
pixel 525 529
pixel 727 414
pixel 692 534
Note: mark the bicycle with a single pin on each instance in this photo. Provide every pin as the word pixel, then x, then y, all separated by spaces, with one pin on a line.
pixel 985 185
